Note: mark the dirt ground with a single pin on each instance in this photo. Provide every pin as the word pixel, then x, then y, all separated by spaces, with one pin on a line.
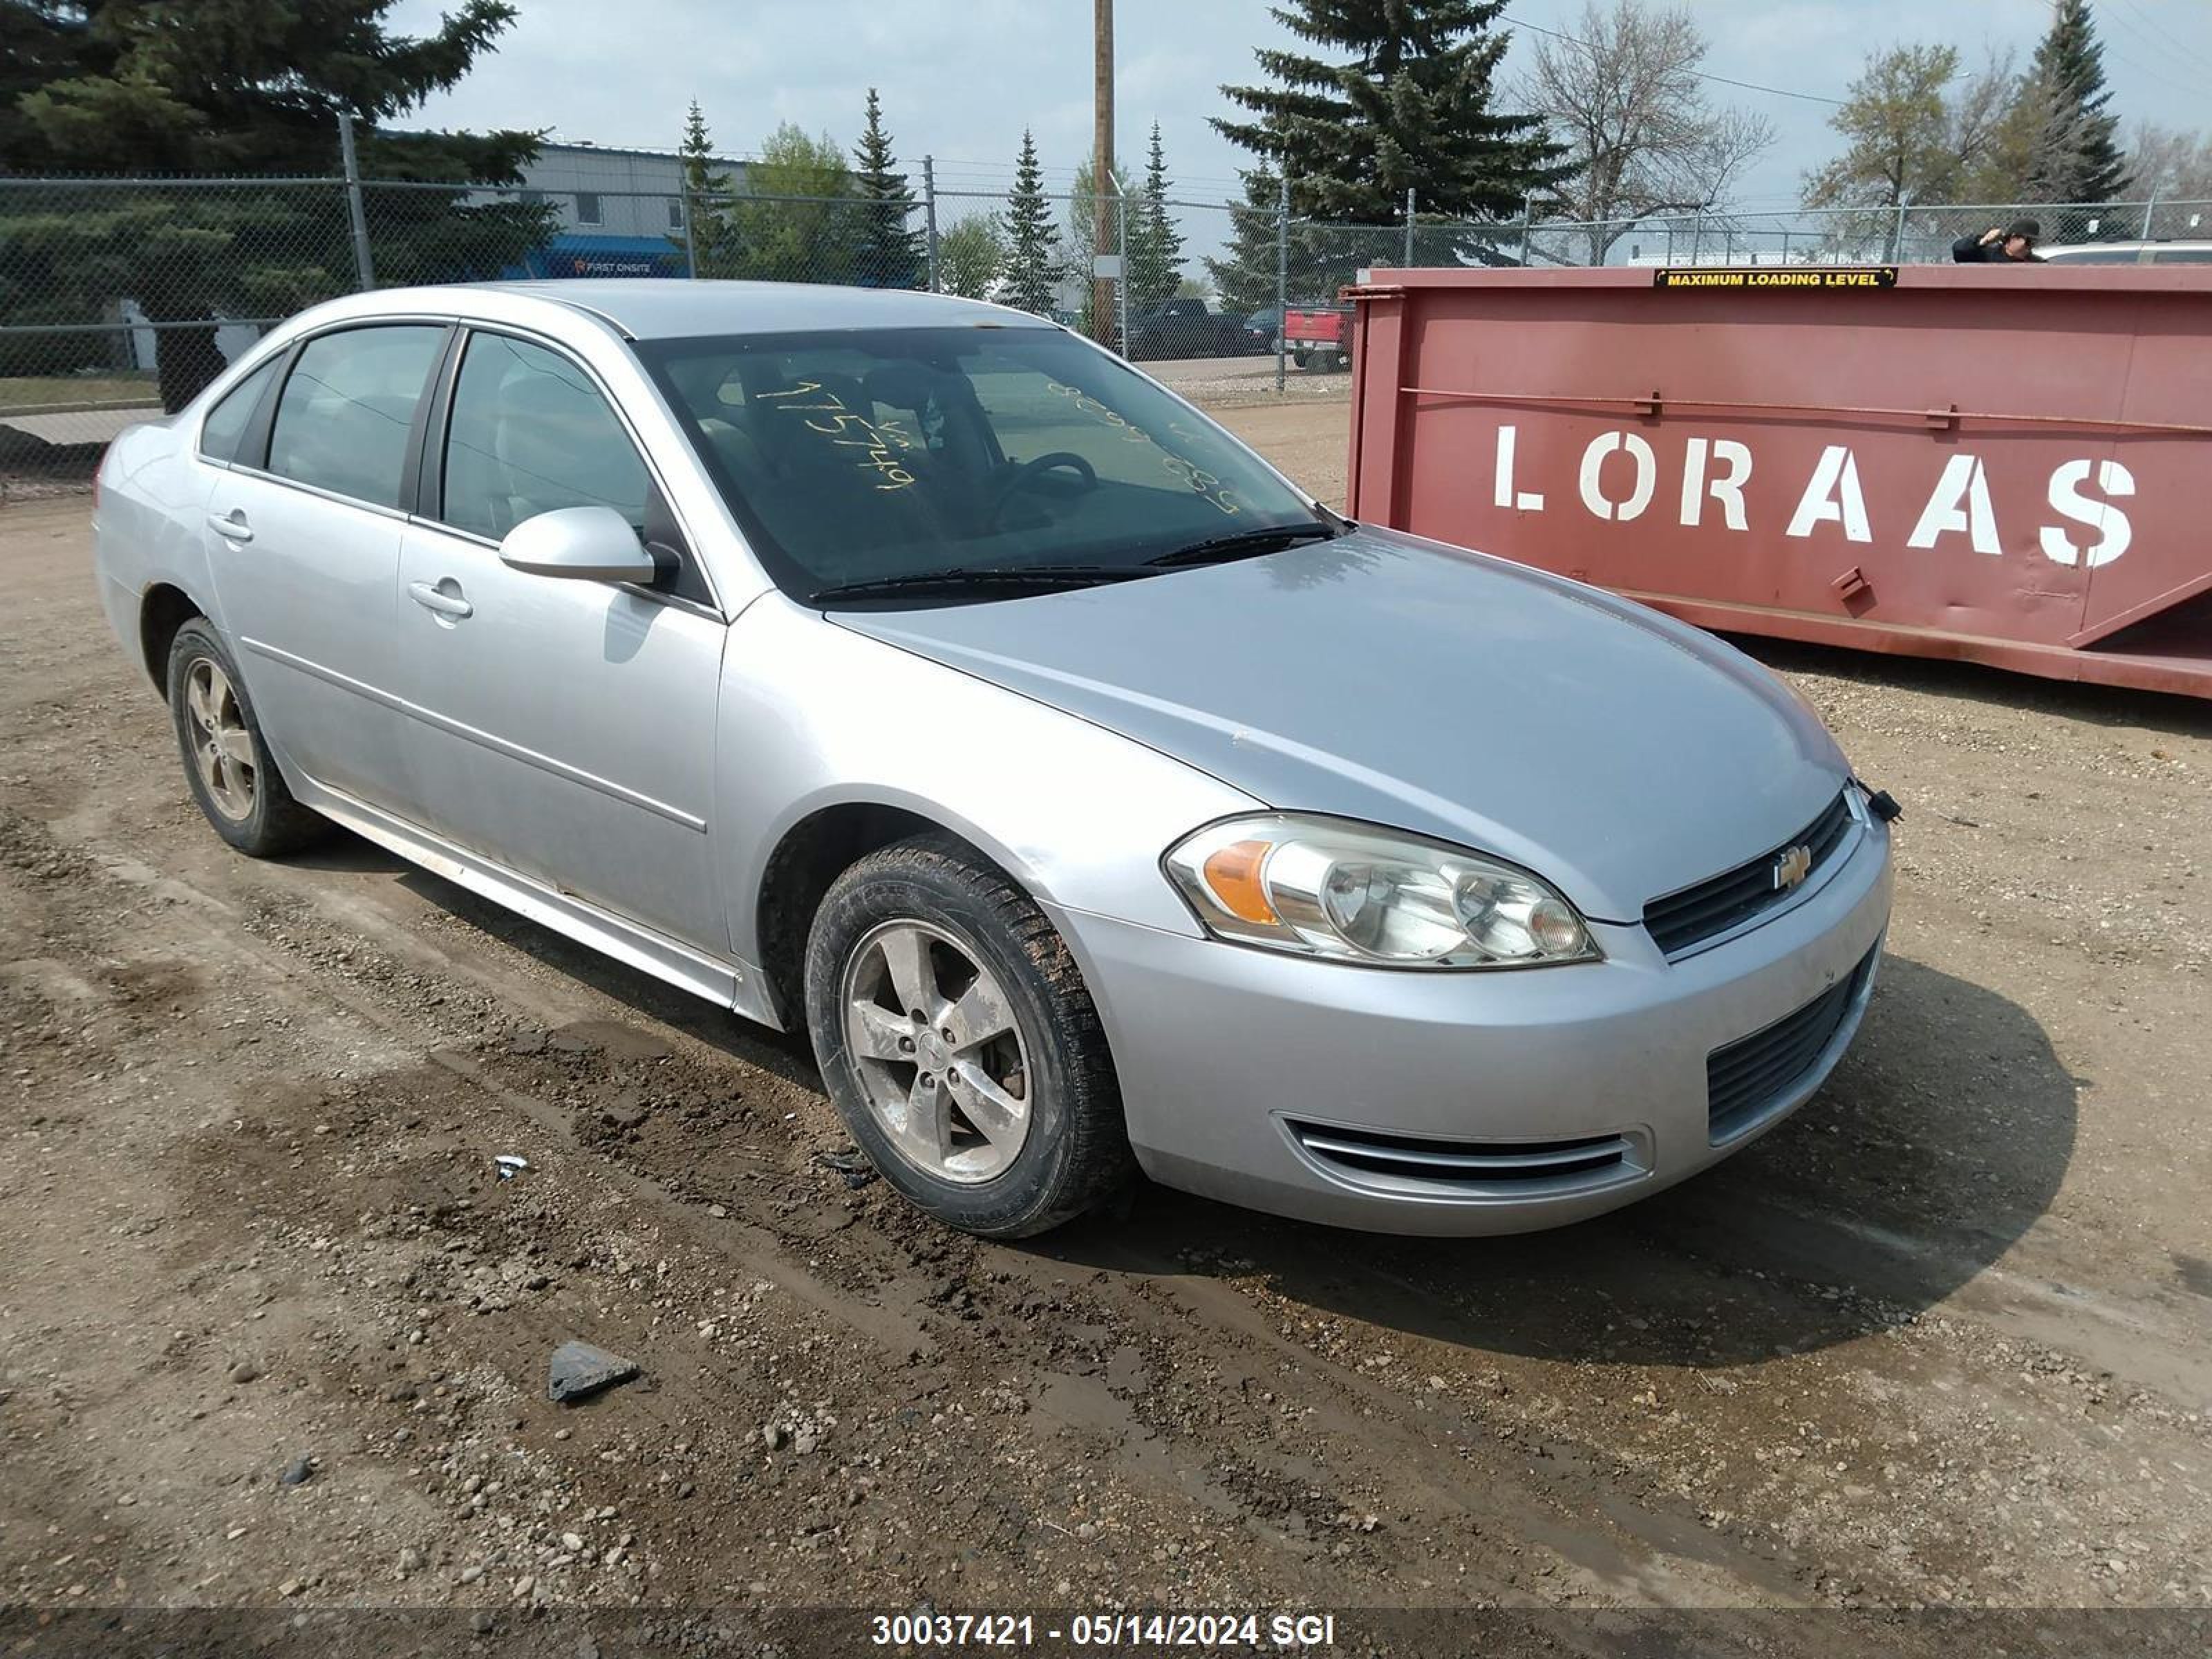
pixel 1940 1340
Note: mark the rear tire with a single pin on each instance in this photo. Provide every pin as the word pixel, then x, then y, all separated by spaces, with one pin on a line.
pixel 1299 358
pixel 997 1112
pixel 227 766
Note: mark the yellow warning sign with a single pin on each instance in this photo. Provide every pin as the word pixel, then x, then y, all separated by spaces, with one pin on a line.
pixel 1775 276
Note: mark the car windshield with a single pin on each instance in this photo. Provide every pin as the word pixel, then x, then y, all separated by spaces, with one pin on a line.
pixel 886 458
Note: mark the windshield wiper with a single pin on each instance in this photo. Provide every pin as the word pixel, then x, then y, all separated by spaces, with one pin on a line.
pixel 978 578
pixel 1246 544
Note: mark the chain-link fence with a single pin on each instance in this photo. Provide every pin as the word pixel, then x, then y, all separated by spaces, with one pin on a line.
pixel 1890 235
pixel 122 297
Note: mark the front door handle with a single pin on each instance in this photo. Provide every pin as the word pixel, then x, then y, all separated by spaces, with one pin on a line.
pixel 445 598
pixel 231 527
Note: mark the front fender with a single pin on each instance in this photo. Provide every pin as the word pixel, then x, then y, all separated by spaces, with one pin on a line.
pixel 813 715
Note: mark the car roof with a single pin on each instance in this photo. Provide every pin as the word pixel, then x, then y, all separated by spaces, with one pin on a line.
pixel 653 308
pixel 2130 246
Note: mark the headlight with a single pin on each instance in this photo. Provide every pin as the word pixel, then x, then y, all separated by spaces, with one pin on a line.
pixel 1319 887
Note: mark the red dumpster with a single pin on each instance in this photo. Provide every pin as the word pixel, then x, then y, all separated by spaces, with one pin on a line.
pixel 2002 464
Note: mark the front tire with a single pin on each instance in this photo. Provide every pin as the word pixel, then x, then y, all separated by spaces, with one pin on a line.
pixel 227 764
pixel 959 1043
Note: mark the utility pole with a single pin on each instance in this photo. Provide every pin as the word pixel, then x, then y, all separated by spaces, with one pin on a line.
pixel 1104 210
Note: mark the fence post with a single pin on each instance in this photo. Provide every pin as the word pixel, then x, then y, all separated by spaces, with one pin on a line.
pixel 1897 238
pixel 2149 207
pixel 1122 283
pixel 1409 225
pixel 364 266
pixel 1527 218
pixel 929 215
pixel 1282 278
pixel 691 237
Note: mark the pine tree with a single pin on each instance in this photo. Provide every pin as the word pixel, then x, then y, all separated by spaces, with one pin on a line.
pixel 890 254
pixel 1244 274
pixel 712 249
pixel 2077 157
pixel 1034 267
pixel 1403 102
pixel 231 88
pixel 1153 266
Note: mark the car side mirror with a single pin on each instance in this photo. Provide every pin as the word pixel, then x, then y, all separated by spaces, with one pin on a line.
pixel 588 543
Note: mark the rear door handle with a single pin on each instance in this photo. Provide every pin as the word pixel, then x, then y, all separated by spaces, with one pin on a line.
pixel 436 599
pixel 231 527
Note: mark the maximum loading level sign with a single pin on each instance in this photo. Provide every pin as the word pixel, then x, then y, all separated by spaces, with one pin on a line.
pixel 1775 276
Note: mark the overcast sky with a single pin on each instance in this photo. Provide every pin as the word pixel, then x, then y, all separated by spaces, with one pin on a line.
pixel 961 78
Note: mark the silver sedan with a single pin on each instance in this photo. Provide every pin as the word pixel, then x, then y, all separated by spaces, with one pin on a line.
pixel 911 669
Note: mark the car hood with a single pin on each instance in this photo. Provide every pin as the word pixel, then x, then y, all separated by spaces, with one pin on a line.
pixel 1613 751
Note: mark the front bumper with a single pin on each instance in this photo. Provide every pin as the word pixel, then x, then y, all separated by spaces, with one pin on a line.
pixel 1443 1102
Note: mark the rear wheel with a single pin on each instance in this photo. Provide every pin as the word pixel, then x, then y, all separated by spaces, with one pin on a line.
pixel 1299 358
pixel 959 1043
pixel 226 764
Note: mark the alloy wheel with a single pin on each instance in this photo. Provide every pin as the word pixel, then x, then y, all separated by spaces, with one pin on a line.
pixel 223 748
pixel 941 1056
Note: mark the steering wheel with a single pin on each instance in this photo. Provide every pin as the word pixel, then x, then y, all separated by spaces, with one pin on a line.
pixel 1029 471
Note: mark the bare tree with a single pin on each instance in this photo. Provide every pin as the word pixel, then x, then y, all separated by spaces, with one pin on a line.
pixel 1995 116
pixel 2170 164
pixel 1620 90
pixel 2008 131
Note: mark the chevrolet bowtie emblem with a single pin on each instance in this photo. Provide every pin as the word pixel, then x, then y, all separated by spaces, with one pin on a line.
pixel 1791 866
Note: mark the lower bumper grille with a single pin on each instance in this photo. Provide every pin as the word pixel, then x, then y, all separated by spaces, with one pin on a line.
pixel 1747 1077
pixel 1476 1168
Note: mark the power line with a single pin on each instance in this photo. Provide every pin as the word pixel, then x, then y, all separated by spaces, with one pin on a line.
pixel 2166 39
pixel 2143 69
pixel 1726 81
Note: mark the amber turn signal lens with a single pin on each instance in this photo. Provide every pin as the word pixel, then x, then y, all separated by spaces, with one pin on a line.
pixel 1233 874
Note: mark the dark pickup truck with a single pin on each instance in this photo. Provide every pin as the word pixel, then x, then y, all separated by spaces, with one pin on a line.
pixel 1185 328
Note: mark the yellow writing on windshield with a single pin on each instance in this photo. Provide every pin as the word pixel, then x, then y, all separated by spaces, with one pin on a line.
pixel 1202 484
pixel 880 441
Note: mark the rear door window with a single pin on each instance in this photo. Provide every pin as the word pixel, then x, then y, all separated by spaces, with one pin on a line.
pixel 227 422
pixel 347 407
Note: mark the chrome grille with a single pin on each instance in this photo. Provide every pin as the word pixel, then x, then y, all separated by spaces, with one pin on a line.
pixel 1696 914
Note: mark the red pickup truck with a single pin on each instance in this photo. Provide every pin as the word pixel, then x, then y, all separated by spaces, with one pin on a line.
pixel 1319 336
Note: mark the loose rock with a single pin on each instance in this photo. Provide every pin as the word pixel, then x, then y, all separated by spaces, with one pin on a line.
pixel 580 1369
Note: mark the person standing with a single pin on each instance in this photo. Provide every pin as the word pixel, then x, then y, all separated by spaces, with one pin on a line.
pixel 2000 245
